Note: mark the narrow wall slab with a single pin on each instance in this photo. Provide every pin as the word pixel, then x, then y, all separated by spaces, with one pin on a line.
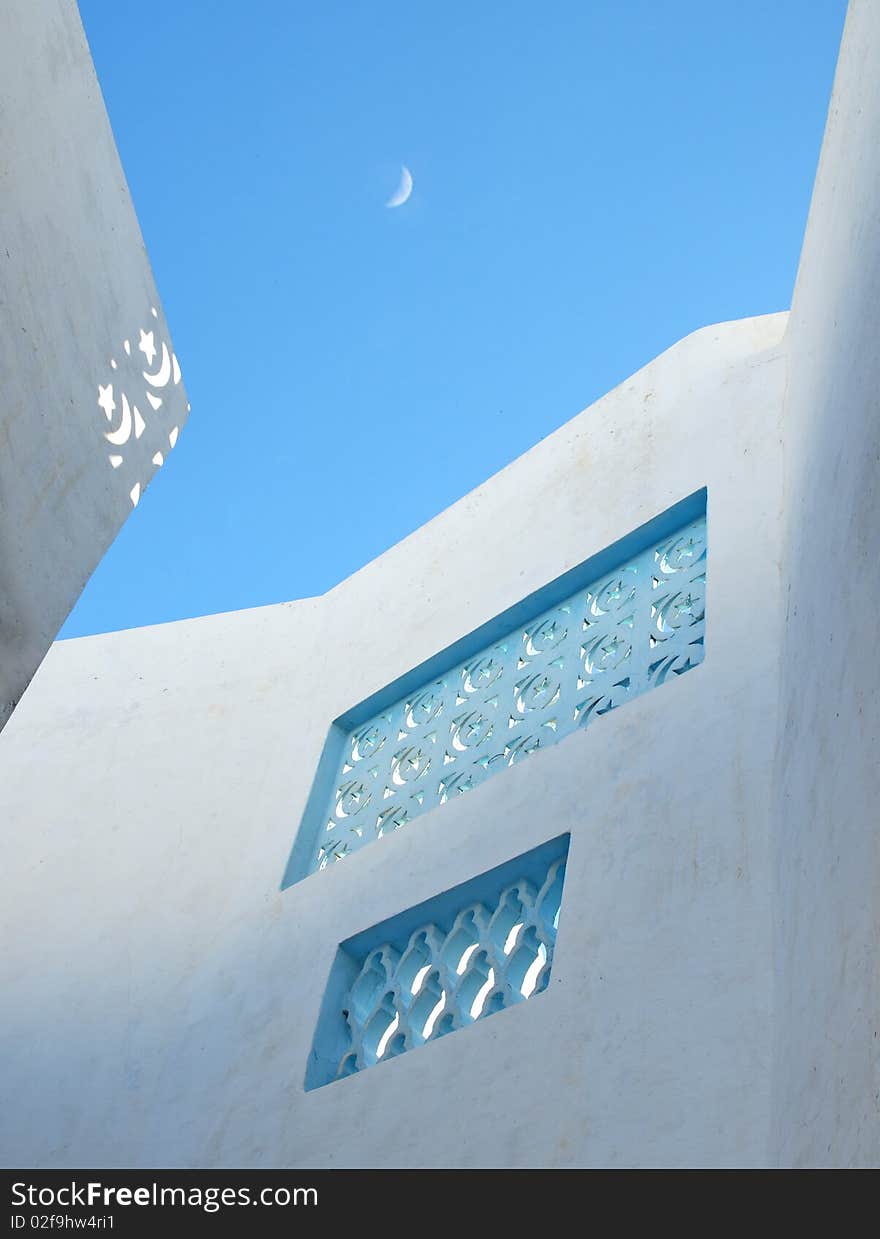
pixel 91 397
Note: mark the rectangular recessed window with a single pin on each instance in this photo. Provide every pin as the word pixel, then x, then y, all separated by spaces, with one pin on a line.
pixel 455 959
pixel 619 624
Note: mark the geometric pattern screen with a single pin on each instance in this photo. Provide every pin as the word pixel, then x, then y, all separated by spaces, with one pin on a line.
pixel 613 639
pixel 467 958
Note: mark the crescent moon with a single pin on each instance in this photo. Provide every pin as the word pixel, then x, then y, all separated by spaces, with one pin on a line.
pixel 123 434
pixel 163 374
pixel 404 189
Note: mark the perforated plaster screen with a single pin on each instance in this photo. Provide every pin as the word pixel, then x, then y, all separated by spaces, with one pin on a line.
pixel 144 375
pixel 617 635
pixel 475 950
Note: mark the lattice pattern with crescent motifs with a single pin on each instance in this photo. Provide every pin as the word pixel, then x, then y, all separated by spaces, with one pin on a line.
pixel 606 644
pixel 491 958
pixel 160 413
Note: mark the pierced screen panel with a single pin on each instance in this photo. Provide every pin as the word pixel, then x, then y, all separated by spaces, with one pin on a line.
pixel 618 635
pixel 475 950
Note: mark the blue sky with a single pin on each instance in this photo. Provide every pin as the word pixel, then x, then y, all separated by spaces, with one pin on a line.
pixel 593 180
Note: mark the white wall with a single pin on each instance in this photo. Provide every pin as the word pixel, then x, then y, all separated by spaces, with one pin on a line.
pixel 715 997
pixel 74 285
pixel 161 992
pixel 827 844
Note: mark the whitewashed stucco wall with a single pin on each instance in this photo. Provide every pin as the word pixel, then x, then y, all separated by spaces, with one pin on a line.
pixel 715 995
pixel 75 283
pixel 827 844
pixel 162 992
